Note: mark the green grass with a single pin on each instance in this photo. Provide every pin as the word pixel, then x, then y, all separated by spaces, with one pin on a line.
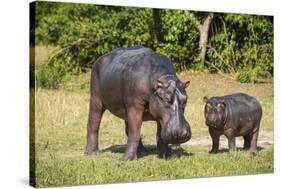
pixel 70 169
pixel 60 137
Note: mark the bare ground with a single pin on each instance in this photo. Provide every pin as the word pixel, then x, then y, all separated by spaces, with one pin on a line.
pixel 265 138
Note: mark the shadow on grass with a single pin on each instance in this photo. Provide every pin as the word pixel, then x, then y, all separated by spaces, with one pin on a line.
pixel 226 150
pixel 149 150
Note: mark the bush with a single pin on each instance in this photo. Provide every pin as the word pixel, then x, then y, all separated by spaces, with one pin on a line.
pixel 244 76
pixel 242 44
pixel 238 43
pixel 50 76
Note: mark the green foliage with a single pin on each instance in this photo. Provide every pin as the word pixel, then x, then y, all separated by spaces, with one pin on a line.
pixel 50 76
pixel 180 38
pixel 244 76
pixel 83 32
pixel 80 32
pixel 243 44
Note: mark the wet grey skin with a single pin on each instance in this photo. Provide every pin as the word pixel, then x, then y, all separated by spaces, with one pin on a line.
pixel 233 115
pixel 137 84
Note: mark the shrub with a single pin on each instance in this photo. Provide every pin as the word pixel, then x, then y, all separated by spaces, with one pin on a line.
pixel 50 76
pixel 238 43
pixel 243 76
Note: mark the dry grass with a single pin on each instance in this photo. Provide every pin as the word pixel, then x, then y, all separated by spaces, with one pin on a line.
pixel 203 84
pixel 61 118
pixel 42 53
pixel 60 136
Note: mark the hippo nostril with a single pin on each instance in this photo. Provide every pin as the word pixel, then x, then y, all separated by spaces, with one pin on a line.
pixel 184 132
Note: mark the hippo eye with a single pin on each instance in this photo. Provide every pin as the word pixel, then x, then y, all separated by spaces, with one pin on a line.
pixel 164 97
pixel 168 98
pixel 219 107
pixel 208 106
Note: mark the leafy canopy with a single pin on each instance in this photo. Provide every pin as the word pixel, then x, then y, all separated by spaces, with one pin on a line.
pixel 238 43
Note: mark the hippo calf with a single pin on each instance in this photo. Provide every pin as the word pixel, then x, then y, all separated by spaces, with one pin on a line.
pixel 137 84
pixel 233 115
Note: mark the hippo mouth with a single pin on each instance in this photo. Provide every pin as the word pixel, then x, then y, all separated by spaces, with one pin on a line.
pixel 212 124
pixel 174 140
pixel 176 137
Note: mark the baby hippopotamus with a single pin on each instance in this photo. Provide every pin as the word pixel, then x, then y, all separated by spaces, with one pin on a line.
pixel 233 115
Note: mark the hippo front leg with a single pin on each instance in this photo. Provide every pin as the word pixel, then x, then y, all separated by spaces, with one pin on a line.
pixel 215 135
pixel 134 120
pixel 164 151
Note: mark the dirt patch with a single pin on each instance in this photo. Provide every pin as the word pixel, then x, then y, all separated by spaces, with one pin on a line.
pixel 265 138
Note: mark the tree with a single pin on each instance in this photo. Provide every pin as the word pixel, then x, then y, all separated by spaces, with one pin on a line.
pixel 204 33
pixel 219 42
pixel 242 45
pixel 203 29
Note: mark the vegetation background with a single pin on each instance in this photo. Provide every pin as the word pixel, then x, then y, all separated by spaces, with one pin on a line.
pixel 240 45
pixel 220 53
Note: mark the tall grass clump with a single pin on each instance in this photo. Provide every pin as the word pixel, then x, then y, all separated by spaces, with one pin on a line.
pixel 50 76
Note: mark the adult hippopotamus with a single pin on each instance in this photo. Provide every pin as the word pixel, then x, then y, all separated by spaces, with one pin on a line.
pixel 137 84
pixel 233 115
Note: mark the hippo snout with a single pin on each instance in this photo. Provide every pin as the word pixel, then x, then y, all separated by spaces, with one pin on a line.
pixel 187 133
pixel 176 134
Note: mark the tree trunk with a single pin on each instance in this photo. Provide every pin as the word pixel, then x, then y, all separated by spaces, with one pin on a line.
pixel 204 33
pixel 157 27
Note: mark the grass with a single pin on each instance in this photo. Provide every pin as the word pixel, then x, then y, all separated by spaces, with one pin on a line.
pixel 60 137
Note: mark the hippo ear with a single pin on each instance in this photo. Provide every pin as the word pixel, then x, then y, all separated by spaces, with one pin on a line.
pixel 205 99
pixel 160 83
pixel 221 100
pixel 186 84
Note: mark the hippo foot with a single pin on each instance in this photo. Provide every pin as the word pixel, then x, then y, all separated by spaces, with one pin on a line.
pixel 253 150
pixel 213 151
pixel 90 151
pixel 165 155
pixel 141 148
pixel 232 150
pixel 129 157
pixel 246 148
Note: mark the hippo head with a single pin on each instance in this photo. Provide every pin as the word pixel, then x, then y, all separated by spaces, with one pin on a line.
pixel 215 111
pixel 168 106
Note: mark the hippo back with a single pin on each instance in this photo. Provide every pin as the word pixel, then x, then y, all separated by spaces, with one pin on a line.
pixel 242 110
pixel 242 102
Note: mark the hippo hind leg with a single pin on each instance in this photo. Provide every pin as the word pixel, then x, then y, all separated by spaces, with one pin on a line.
pixel 95 115
pixel 255 133
pixel 141 147
pixel 254 141
pixel 134 119
pixel 247 141
pixel 251 139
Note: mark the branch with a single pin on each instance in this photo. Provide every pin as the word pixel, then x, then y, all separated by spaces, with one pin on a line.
pixel 67 46
pixel 210 47
pixel 209 18
pixel 219 71
pixel 221 58
pixel 224 25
